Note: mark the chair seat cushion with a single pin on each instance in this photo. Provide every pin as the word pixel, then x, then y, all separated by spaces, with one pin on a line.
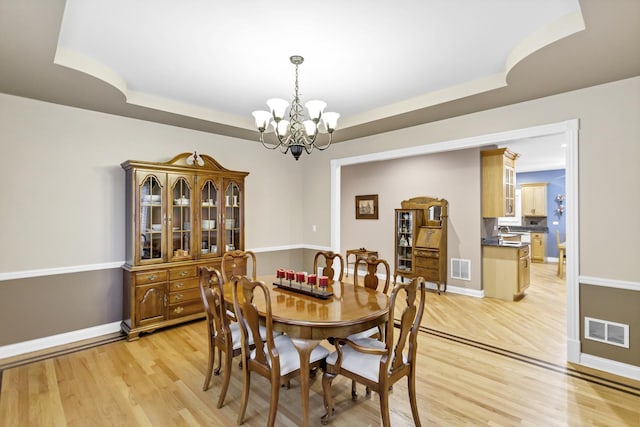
pixel 236 335
pixel 289 356
pixel 362 364
pixel 364 334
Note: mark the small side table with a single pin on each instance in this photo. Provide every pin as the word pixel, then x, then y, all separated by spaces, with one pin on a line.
pixel 356 253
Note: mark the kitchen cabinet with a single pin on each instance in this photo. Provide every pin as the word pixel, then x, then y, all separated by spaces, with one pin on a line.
pixel 538 247
pixel 180 215
pixel 506 271
pixel 498 183
pixel 534 199
pixel 421 240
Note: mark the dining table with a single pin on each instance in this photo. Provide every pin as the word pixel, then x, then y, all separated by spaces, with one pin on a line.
pixel 308 320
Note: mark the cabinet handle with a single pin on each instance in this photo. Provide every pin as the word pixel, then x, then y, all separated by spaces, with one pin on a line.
pixel 179 285
pixel 152 277
pixel 178 309
pixel 183 273
pixel 178 297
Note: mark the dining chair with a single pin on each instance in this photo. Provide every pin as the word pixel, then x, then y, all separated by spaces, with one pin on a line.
pixel 234 263
pixel 277 360
pixel 372 281
pixel 224 336
pixel 562 254
pixel 327 270
pixel 380 364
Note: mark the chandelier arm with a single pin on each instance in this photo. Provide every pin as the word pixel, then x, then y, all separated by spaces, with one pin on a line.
pixel 324 147
pixel 265 144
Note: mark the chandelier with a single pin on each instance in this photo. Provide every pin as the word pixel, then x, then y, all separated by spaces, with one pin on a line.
pixel 295 134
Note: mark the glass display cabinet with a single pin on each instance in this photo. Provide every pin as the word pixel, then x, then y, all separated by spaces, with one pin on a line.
pixel 175 224
pixel 406 226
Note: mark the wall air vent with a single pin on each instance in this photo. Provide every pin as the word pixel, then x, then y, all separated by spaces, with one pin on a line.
pixel 460 269
pixel 606 332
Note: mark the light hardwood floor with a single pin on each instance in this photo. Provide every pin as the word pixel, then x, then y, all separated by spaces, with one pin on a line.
pixel 482 362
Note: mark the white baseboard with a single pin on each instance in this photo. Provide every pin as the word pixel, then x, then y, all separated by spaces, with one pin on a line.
pixel 610 366
pixel 57 340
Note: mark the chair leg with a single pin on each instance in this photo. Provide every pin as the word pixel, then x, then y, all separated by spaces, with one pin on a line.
pixel 327 378
pixel 354 391
pixel 225 378
pixel 246 384
pixel 207 378
pixel 383 392
pixel 411 380
pixel 273 406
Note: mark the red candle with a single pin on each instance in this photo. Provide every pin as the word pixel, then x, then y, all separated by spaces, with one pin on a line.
pixel 280 273
pixel 312 279
pixel 290 275
pixel 300 277
pixel 324 281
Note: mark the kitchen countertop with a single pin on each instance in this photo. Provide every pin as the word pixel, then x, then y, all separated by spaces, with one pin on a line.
pixel 507 244
pixel 528 229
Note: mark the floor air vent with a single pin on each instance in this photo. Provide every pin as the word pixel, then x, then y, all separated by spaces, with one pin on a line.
pixel 460 269
pixel 606 332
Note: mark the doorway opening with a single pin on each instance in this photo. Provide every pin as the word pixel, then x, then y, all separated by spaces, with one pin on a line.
pixel 567 131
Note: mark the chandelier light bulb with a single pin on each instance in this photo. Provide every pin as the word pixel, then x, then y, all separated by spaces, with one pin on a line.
pixel 278 107
pixel 315 109
pixel 310 127
pixel 330 120
pixel 262 119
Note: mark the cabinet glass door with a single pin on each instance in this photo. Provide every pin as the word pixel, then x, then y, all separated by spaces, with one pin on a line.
pixel 232 200
pixel 209 219
pixel 151 219
pixel 181 219
pixel 404 240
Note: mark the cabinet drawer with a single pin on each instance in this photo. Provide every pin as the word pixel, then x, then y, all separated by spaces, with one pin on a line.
pixel 182 285
pixel 183 272
pixel 428 274
pixel 423 262
pixel 426 253
pixel 185 309
pixel 184 296
pixel 151 277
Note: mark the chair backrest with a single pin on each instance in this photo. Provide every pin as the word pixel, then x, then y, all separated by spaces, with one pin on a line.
pixel 244 295
pixel 558 242
pixel 371 279
pixel 214 304
pixel 234 263
pixel 406 336
pixel 329 258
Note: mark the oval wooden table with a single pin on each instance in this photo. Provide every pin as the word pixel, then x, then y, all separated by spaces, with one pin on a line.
pixel 308 320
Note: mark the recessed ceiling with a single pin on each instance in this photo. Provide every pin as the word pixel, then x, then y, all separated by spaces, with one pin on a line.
pixel 206 65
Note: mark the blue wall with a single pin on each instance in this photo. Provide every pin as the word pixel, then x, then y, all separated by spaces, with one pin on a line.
pixel 556 185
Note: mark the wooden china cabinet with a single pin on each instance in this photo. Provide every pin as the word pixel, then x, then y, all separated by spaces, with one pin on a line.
pixel 421 240
pixel 180 215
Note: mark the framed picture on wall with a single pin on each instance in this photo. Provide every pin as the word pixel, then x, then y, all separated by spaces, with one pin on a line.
pixel 367 207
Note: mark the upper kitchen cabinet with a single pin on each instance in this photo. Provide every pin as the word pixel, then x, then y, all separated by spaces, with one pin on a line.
pixel 180 215
pixel 534 199
pixel 498 183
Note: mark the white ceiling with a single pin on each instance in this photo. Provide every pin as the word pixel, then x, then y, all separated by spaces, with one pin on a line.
pixel 360 55
pixel 382 65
